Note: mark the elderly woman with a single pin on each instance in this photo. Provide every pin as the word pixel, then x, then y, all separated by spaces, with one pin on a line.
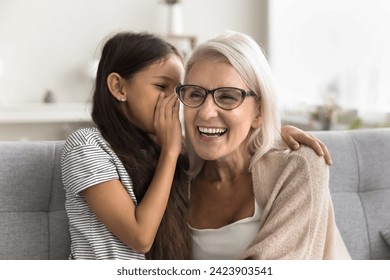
pixel 251 197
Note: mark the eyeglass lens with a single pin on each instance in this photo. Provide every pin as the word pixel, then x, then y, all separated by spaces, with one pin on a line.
pixel 226 98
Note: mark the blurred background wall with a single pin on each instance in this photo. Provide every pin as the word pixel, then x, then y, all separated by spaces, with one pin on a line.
pixel 330 58
pixel 50 44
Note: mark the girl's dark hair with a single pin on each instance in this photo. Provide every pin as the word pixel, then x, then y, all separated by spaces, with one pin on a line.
pixel 127 54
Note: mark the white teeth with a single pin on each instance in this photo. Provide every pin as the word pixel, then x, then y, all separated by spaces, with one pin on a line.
pixel 212 131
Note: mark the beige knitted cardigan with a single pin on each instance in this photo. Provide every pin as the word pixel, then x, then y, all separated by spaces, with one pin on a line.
pixel 298 220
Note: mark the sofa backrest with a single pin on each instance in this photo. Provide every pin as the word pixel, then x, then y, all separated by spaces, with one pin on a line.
pixel 33 222
pixel 360 188
pixel 34 225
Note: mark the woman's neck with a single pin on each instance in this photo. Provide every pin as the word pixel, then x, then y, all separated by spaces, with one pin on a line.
pixel 226 169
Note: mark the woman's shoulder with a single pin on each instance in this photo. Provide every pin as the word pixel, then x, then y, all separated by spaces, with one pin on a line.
pixel 305 163
pixel 299 161
pixel 303 154
pixel 283 168
pixel 306 155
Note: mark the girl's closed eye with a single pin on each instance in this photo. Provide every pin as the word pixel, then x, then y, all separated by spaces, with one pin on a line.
pixel 166 87
pixel 161 86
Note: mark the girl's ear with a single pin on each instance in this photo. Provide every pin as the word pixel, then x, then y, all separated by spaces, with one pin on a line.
pixel 114 83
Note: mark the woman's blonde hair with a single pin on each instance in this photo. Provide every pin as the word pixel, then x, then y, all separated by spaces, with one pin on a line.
pixel 247 57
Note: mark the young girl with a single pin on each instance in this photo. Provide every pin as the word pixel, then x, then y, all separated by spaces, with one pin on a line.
pixel 118 177
pixel 125 180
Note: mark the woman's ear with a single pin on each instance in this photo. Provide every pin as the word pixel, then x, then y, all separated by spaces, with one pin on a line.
pixel 257 121
pixel 115 85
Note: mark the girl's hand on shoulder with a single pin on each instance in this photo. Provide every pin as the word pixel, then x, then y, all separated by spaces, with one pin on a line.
pixel 167 123
pixel 294 136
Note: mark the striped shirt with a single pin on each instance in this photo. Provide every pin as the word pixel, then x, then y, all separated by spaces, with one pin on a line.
pixel 88 160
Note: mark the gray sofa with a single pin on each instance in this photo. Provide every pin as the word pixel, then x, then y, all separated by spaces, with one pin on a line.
pixel 33 222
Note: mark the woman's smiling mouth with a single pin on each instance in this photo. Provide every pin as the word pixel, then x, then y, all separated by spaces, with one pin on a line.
pixel 212 132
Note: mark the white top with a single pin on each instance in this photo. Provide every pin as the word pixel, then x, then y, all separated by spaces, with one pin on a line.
pixel 227 242
pixel 88 160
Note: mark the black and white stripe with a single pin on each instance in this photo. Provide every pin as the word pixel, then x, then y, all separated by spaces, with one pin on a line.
pixel 88 160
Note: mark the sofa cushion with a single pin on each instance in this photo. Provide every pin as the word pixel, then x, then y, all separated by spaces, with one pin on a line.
pixel 360 188
pixel 33 221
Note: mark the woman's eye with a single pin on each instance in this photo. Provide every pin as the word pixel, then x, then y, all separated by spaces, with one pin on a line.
pixel 227 98
pixel 196 94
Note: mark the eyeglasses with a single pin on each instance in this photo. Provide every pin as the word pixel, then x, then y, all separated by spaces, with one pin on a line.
pixel 226 98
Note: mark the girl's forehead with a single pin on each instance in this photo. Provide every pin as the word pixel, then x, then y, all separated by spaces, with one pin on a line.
pixel 165 62
pixel 170 68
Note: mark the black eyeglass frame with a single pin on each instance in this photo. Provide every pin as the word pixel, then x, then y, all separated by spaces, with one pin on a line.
pixel 244 93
